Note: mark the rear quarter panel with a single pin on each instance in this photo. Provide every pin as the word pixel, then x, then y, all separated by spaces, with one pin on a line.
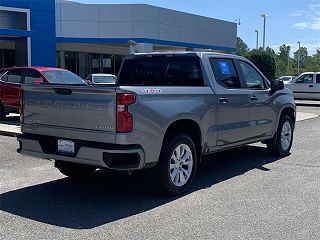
pixel 154 112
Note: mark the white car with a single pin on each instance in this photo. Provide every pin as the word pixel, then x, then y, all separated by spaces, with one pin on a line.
pixel 101 78
pixel 286 79
pixel 305 86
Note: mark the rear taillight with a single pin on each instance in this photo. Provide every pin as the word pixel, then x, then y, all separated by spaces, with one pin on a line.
pixel 21 105
pixel 124 118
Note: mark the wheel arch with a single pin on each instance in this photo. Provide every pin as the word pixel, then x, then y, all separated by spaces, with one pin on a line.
pixel 186 126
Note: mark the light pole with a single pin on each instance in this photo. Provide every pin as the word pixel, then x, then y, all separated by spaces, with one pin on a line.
pixel 299 57
pixel 264 16
pixel 238 21
pixel 257 41
pixel 288 67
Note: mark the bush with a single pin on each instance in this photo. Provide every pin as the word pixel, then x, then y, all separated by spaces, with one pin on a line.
pixel 264 61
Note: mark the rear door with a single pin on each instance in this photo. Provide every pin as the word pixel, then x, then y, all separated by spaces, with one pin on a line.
pixel 262 116
pixel 11 88
pixel 233 103
pixel 32 77
pixel 304 87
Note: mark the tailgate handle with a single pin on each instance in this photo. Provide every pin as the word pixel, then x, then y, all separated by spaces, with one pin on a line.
pixel 63 91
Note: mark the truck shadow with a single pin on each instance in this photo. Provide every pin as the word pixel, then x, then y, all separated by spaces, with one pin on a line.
pixel 105 198
pixel 12 119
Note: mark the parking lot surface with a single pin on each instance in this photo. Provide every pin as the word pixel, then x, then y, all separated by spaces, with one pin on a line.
pixel 244 193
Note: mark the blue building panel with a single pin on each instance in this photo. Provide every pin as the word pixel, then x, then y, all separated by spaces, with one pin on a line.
pixel 14 3
pixel 42 29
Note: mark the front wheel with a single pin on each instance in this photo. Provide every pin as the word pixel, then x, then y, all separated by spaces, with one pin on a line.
pixel 282 142
pixel 177 165
pixel 74 170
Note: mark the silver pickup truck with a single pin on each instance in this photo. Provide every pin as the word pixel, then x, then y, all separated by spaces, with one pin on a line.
pixel 165 112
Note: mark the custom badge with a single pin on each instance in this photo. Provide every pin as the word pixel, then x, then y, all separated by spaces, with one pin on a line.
pixel 152 91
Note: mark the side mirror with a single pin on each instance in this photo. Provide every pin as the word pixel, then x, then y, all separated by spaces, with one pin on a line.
pixel 276 85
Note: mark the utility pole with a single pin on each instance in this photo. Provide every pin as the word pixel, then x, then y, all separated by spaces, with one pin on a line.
pixel 264 16
pixel 299 57
pixel 257 40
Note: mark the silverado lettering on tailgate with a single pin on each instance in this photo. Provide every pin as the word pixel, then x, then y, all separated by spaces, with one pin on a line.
pixel 66 105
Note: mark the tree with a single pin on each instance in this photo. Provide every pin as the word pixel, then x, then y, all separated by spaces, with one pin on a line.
pixel 242 47
pixel 264 61
pixel 282 60
pixel 301 54
pixel 271 51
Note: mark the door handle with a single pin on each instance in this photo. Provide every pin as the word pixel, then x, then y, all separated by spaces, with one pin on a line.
pixel 310 85
pixel 253 98
pixel 63 91
pixel 223 100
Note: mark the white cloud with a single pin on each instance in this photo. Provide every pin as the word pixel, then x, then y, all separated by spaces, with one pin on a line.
pixel 315 8
pixel 298 13
pixel 313 19
pixel 314 24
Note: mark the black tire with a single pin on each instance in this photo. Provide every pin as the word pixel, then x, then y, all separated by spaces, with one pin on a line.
pixel 274 145
pixel 163 171
pixel 74 170
pixel 2 113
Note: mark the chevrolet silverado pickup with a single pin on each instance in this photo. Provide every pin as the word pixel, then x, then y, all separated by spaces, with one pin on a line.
pixel 165 112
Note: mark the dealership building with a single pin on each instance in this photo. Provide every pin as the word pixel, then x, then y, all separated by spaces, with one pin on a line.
pixel 91 38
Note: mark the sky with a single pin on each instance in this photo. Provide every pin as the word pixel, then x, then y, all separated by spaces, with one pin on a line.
pixel 288 22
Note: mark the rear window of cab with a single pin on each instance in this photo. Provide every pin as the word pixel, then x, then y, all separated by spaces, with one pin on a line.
pixel 161 71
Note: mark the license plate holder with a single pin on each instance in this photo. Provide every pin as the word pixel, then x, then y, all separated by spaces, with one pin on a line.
pixel 66 147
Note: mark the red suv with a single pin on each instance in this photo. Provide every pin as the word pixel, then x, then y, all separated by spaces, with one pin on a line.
pixel 11 80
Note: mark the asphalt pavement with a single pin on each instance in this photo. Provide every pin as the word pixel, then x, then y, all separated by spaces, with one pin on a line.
pixel 243 193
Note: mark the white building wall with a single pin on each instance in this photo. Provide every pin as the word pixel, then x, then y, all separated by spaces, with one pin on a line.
pixel 76 20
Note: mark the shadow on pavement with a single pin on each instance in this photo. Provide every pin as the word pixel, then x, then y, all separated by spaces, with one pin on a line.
pixel 304 103
pixel 11 120
pixel 104 198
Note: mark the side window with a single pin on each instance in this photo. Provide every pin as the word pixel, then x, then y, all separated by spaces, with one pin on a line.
pixel 306 78
pixel 4 77
pixel 15 76
pixel 252 78
pixel 318 78
pixel 32 76
pixel 225 72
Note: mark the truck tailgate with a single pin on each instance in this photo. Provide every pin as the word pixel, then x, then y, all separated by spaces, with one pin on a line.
pixel 86 108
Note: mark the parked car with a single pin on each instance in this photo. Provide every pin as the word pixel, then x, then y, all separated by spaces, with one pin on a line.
pixel 12 79
pixel 101 78
pixel 286 79
pixel 306 86
pixel 166 111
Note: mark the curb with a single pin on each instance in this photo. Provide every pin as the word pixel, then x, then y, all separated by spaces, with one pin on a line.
pixel 9 134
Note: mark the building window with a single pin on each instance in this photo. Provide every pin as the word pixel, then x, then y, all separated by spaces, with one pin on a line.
pixel 82 63
pixel 13 20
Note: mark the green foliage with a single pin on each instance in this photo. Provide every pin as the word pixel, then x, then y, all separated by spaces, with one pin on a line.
pixel 278 64
pixel 264 60
pixel 282 60
pixel 242 47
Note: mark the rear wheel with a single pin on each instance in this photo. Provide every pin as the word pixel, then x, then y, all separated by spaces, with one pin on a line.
pixel 74 170
pixel 2 113
pixel 282 142
pixel 177 165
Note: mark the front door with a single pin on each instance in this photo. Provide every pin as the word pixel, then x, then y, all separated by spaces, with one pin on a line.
pixel 11 88
pixel 262 116
pixel 233 103
pixel 304 87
